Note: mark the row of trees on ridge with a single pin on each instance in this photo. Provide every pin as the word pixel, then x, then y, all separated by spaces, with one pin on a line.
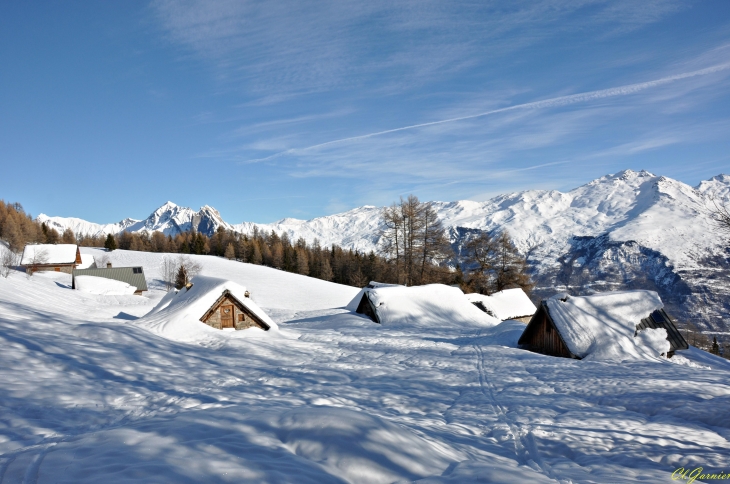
pixel 415 250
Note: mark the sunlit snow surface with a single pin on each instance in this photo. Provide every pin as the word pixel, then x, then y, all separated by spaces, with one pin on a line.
pixel 88 395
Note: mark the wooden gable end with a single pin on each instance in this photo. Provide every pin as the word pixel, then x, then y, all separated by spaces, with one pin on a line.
pixel 229 312
pixel 366 307
pixel 660 319
pixel 541 336
pixel 78 256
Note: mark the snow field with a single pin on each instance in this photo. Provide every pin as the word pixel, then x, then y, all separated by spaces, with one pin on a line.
pixel 88 395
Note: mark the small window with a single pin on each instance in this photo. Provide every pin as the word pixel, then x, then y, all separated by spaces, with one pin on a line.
pixel 137 270
pixel 57 269
pixel 240 317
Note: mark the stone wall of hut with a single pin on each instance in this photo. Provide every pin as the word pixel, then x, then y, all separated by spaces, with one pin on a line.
pixel 68 269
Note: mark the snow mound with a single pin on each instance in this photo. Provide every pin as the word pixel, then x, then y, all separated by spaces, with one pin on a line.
pixel 177 315
pixel 355 302
pixel 104 286
pixel 507 304
pixel 433 305
pixel 654 340
pixel 602 326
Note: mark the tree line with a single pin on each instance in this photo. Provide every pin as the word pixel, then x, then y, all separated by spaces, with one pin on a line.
pixel 415 250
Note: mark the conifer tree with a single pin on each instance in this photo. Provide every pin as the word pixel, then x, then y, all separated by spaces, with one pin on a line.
pixel 68 237
pixel 198 244
pixel 325 271
pixel 181 279
pixel 111 243
pixel 230 252
pixel 256 257
pixel 302 262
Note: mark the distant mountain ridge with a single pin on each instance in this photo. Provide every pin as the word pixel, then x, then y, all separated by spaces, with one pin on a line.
pixel 630 229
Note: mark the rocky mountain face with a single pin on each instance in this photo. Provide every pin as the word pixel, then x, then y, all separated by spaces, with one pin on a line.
pixel 623 231
pixel 169 219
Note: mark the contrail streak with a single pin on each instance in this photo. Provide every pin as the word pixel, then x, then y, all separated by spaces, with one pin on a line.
pixel 546 103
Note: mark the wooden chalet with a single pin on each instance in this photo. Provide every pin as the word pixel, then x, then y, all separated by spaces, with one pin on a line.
pixel 543 335
pixel 50 257
pixel 229 312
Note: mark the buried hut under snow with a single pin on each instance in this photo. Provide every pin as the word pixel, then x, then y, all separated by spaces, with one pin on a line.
pixel 219 303
pixel 608 326
pixel 131 276
pixel 433 305
pixel 506 304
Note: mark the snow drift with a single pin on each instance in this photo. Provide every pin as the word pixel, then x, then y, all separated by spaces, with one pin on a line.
pixel 177 315
pixel 102 285
pixel 432 305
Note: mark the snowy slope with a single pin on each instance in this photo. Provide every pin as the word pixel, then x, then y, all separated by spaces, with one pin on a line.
pixel 87 395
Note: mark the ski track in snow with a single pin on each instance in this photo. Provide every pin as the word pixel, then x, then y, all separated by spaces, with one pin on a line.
pixel 88 395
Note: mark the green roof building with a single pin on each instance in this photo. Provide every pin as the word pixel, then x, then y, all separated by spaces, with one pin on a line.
pixel 134 276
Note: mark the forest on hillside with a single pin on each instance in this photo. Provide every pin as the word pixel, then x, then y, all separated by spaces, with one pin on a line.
pixel 415 250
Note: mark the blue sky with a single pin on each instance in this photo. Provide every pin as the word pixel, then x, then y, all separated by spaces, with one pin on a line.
pixel 267 110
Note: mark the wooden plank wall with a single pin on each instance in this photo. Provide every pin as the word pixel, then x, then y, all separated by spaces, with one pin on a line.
pixel 546 339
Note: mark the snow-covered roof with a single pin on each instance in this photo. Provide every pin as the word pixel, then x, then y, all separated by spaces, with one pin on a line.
pixel 49 254
pixel 102 285
pixel 355 302
pixel 178 314
pixel 430 305
pixel 507 304
pixel 602 326
pixel 87 260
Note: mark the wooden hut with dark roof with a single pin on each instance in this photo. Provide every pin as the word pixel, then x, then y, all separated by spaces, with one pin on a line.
pixel 556 330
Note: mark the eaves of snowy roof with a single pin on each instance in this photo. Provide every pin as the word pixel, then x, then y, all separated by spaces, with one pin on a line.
pixel 355 302
pixel 506 304
pixel 49 254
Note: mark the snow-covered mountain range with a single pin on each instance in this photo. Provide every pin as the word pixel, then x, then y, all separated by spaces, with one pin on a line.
pixel 630 229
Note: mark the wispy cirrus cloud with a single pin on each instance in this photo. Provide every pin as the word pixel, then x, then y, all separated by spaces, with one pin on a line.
pixel 554 102
pixel 286 46
pixel 448 99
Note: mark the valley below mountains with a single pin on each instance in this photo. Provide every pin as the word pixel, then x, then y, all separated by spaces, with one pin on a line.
pixel 629 230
